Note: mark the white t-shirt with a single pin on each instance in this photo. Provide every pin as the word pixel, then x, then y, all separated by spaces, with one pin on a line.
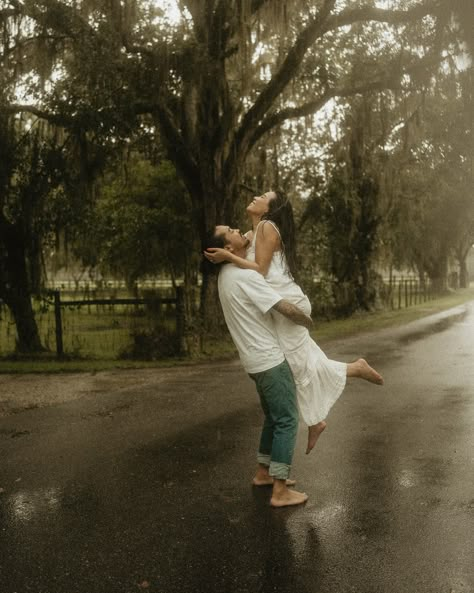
pixel 246 300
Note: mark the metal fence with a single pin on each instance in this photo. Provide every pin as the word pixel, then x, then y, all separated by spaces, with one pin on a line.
pixel 96 326
pixel 402 292
pixel 110 323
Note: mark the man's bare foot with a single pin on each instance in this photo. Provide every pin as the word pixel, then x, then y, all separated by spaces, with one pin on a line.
pixel 282 497
pixel 263 478
pixel 285 498
pixel 360 368
pixel 314 433
pixel 269 482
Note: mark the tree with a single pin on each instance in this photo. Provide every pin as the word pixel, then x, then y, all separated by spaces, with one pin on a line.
pixel 223 77
pixel 138 226
pixel 435 208
pixel 29 172
pixel 216 84
pixel 220 100
pixel 347 206
pixel 47 162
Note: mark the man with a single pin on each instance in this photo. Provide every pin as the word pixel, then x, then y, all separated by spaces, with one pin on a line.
pixel 246 301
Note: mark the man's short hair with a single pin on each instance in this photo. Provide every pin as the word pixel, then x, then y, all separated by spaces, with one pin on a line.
pixel 213 240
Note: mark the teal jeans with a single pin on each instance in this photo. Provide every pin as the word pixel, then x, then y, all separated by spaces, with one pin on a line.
pixel 277 392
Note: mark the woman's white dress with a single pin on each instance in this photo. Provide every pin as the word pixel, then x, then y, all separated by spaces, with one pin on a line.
pixel 319 380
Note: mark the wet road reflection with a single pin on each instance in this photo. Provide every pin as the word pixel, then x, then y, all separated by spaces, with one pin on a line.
pixel 25 506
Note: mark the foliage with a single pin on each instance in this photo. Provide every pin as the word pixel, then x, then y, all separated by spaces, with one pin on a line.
pixel 433 187
pixel 140 225
pixel 153 343
pixel 225 90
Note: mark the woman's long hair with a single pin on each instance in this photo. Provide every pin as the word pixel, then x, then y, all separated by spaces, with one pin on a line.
pixel 280 211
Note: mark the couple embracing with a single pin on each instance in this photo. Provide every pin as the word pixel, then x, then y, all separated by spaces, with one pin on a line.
pixel 268 317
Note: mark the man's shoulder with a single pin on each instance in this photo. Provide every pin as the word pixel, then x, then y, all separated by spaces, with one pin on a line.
pixel 236 273
pixel 235 280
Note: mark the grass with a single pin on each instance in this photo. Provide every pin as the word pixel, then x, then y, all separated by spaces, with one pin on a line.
pixel 95 335
pixel 53 365
pixel 367 322
pixel 222 348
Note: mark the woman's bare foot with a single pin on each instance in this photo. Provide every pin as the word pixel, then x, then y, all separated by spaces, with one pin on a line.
pixel 314 433
pixel 360 368
pixel 287 498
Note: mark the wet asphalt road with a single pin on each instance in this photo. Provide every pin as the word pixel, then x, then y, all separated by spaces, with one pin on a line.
pixel 147 489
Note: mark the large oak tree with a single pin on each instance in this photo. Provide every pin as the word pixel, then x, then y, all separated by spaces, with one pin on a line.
pixel 218 80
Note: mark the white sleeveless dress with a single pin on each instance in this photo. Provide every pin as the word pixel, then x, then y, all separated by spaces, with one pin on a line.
pixel 319 380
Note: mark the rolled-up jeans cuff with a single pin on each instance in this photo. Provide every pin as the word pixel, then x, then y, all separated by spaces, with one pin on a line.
pixel 278 470
pixel 263 459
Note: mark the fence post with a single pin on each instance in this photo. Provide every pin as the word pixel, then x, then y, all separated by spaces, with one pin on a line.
pixel 180 320
pixel 59 325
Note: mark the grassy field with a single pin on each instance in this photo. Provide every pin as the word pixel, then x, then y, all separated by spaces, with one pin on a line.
pixel 108 334
pixel 339 328
pixel 99 333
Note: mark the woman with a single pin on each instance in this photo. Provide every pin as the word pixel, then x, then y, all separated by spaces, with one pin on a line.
pixel 319 381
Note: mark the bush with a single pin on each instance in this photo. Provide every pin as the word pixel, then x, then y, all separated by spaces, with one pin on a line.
pixel 320 294
pixel 152 344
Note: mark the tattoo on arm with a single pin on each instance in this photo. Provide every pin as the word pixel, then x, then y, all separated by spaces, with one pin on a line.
pixel 293 313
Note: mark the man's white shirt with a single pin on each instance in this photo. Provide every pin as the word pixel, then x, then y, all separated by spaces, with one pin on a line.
pixel 246 300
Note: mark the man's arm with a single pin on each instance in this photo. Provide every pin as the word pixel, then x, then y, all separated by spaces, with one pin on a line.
pixel 293 313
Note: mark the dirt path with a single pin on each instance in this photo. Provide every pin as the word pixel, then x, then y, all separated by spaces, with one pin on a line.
pixel 24 392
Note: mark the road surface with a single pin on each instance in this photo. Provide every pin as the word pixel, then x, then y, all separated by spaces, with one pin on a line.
pixel 146 486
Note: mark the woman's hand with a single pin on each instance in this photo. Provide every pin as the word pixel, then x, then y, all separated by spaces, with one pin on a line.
pixel 217 255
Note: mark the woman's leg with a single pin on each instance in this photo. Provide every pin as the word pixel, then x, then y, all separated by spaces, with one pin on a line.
pixel 314 432
pixel 319 381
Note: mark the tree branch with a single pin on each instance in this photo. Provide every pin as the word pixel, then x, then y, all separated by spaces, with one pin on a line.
pixel 276 85
pixel 139 49
pixel 288 68
pixel 256 5
pixel 224 13
pixel 195 9
pixel 275 119
pixel 54 118
pixel 387 81
pixel 28 40
pixel 14 10
pixel 59 17
pixel 392 17
pixel 247 134
pixel 181 155
pixel 8 12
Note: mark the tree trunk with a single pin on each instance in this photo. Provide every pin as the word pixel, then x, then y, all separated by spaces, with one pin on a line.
pixel 422 278
pixel 220 207
pixel 29 340
pixel 438 274
pixel 15 288
pixel 463 274
pixel 212 318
